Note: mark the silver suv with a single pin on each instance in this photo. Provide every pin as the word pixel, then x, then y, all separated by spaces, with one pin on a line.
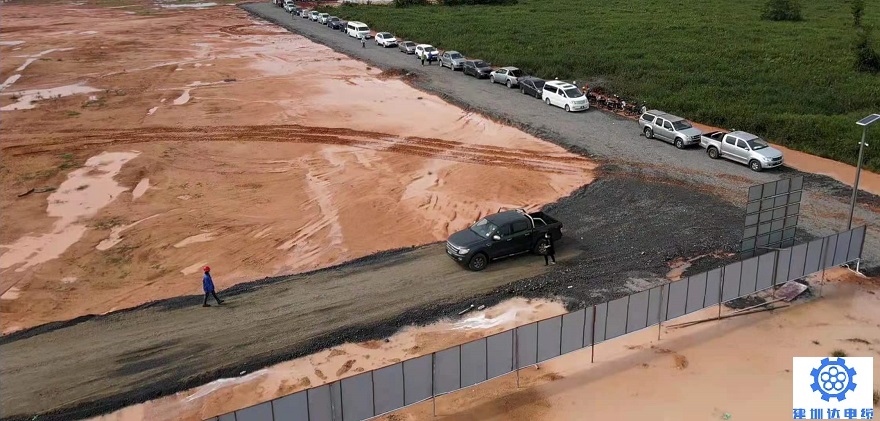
pixel 669 128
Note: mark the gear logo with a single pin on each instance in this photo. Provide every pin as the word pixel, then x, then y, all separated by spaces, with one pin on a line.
pixel 833 379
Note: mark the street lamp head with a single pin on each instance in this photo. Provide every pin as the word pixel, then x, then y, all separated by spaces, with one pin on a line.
pixel 869 120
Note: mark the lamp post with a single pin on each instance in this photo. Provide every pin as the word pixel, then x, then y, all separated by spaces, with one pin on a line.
pixel 865 122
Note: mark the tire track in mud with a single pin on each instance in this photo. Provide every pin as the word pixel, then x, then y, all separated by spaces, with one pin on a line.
pixel 415 146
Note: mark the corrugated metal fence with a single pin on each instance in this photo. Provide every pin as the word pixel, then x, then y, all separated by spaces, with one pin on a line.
pixel 386 389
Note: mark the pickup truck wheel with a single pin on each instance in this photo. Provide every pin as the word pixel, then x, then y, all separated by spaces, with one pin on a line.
pixel 478 262
pixel 492 79
pixel 755 165
pixel 541 247
pixel 679 143
pixel 713 153
pixel 509 84
pixel 649 134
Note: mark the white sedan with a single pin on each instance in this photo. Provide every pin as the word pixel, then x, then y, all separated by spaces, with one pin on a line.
pixel 385 39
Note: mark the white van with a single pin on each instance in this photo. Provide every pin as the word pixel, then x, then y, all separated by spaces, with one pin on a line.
pixel 564 95
pixel 357 30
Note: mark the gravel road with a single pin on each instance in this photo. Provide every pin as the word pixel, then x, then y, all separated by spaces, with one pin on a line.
pixel 650 204
pixel 602 136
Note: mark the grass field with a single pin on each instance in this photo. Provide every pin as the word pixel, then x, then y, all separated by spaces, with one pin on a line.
pixel 712 61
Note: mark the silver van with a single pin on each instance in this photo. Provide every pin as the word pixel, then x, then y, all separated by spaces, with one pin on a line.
pixel 669 128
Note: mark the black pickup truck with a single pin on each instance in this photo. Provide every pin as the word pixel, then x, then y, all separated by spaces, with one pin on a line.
pixel 501 235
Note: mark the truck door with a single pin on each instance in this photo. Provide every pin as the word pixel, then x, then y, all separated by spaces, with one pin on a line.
pixel 520 237
pixel 668 131
pixel 742 151
pixel 728 148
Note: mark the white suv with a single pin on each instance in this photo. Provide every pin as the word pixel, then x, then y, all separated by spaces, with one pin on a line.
pixel 386 40
pixel 564 95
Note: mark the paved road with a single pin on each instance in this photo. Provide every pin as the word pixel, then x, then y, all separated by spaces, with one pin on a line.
pixel 601 135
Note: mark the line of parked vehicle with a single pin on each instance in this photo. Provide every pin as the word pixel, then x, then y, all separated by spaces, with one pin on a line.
pixel 737 146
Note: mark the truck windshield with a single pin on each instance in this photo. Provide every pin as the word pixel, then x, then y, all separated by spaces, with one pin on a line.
pixel 455 55
pixel 681 125
pixel 484 228
pixel 757 144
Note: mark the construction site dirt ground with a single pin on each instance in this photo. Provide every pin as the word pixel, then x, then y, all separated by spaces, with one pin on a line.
pixel 141 143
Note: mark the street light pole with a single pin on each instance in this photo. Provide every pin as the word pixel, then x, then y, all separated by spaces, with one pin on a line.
pixel 865 122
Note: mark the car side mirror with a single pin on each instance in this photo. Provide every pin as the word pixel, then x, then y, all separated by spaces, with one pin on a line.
pixel 496 237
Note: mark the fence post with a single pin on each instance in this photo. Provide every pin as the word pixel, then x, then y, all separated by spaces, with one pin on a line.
pixel 659 319
pixel 823 252
pixel 433 392
pixel 593 337
pixel 721 290
pixel 516 354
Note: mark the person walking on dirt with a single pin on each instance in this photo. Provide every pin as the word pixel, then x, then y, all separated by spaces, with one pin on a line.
pixel 208 286
pixel 549 254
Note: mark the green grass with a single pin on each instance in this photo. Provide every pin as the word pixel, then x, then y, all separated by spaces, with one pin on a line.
pixel 712 61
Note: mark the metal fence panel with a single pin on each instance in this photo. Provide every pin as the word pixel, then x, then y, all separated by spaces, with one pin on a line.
pixel 766 265
pixel 783 262
pixel 357 397
pixel 293 407
pixel 637 311
pixel 798 260
pixel 730 285
pixel 549 338
pixel 336 400
pixel 227 417
pixel 319 404
pixel 473 362
pixel 814 256
pixel 261 412
pixel 749 276
pixel 615 324
pixel 855 244
pixel 713 287
pixel 573 330
pixel 589 322
pixel 499 354
pixel 388 388
pixel 417 379
pixel 655 297
pixel 676 299
pixel 599 326
pixel 830 248
pixel 526 345
pixel 696 293
pixel 447 370
pixel 842 249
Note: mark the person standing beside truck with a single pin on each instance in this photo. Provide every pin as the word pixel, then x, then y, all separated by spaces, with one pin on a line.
pixel 550 253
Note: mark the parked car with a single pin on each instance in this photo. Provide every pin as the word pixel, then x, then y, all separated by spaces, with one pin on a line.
pixel 322 18
pixel 337 24
pixel 531 86
pixel 313 15
pixel 343 26
pixel 741 147
pixel 296 11
pixel 385 39
pixel 330 20
pixel 564 95
pixel 508 76
pixel 306 14
pixel 502 235
pixel 288 5
pixel 669 128
pixel 357 30
pixel 476 68
pixel 408 47
pixel 427 50
pixel 452 59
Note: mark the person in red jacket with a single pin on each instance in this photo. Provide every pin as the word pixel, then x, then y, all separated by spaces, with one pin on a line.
pixel 208 286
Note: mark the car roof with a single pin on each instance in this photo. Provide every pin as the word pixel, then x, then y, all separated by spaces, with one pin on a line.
pixel 560 84
pixel 743 135
pixel 424 45
pixel 452 52
pixel 354 22
pixel 665 116
pixel 505 217
pixel 510 68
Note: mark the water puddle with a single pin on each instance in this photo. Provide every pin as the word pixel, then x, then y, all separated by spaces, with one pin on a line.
pixel 152 111
pixel 183 98
pixel 188 5
pixel 9 81
pixel 27 100
pixel 11 294
pixel 141 188
pixel 189 270
pixel 11 43
pixel 26 64
pixel 115 234
pixel 83 194
pixel 200 238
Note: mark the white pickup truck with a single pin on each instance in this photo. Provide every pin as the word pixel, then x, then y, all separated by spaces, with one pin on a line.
pixel 741 147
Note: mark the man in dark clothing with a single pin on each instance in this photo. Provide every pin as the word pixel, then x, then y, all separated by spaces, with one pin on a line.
pixel 208 286
pixel 363 41
pixel 549 254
